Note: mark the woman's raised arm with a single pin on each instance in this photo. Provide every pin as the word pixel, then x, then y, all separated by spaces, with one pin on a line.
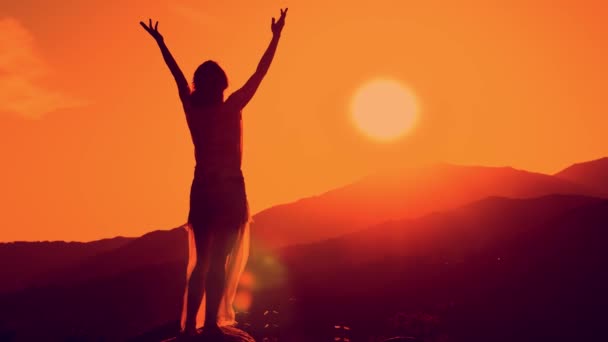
pixel 241 97
pixel 178 75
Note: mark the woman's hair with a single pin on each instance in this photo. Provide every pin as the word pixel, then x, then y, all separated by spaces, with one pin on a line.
pixel 209 82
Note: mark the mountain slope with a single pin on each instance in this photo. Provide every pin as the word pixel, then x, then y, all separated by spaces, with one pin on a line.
pixel 497 270
pixel 593 174
pixel 449 235
pixel 398 194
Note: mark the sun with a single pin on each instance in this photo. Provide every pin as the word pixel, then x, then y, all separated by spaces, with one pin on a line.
pixel 384 109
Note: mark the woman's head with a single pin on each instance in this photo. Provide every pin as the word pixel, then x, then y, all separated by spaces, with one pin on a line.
pixel 209 81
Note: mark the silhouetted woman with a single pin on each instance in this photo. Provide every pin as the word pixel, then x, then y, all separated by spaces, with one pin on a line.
pixel 219 214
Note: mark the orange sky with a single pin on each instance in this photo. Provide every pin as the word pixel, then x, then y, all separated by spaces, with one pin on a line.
pixel 94 143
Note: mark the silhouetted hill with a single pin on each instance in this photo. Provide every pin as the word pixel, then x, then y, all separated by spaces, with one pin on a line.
pixel 22 264
pixel 399 194
pixel 112 295
pixel 154 248
pixel 444 236
pixel 593 174
pixel 496 270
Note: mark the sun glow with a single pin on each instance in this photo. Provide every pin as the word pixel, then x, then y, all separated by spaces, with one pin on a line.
pixel 384 109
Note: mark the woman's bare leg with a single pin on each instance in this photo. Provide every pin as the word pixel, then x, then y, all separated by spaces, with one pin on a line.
pixel 196 285
pixel 216 277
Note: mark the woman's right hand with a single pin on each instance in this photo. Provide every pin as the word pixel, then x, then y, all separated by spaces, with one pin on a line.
pixel 277 25
pixel 152 30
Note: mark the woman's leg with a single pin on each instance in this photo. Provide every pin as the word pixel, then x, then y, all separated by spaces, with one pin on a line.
pixel 221 245
pixel 196 285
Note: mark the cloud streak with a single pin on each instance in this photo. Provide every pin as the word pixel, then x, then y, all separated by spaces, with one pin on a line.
pixel 22 71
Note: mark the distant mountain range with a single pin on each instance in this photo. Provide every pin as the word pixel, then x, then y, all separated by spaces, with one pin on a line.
pixel 409 193
pixel 436 235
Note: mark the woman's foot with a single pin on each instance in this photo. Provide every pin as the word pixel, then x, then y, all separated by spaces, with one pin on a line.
pixel 190 330
pixel 184 336
pixel 212 329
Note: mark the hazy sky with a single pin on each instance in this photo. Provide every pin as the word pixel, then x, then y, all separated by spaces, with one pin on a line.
pixel 94 142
